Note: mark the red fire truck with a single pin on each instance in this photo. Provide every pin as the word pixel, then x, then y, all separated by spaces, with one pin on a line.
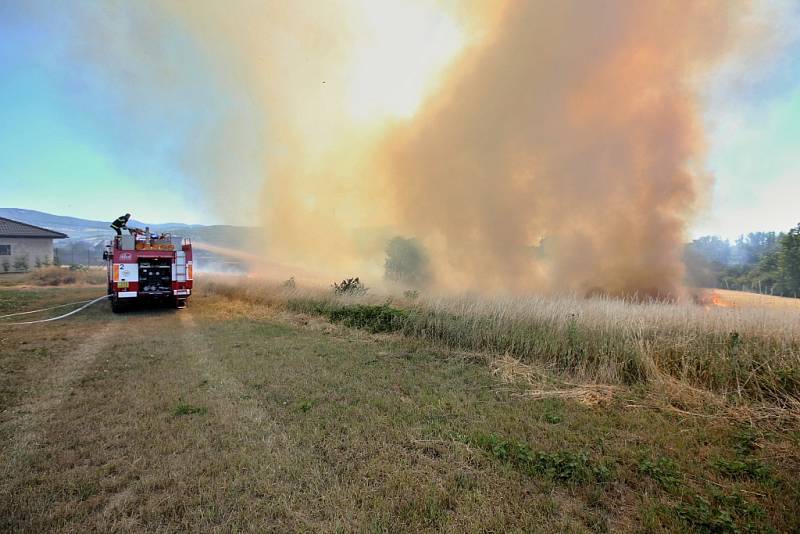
pixel 144 266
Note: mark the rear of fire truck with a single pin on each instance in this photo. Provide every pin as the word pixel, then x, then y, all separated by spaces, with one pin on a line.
pixel 149 267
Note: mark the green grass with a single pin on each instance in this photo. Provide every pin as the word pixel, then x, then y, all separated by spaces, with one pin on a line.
pixel 245 418
pixel 15 300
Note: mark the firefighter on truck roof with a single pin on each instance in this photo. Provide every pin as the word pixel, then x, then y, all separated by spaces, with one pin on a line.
pixel 120 223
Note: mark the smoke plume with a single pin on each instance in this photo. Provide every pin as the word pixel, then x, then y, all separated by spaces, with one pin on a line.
pixel 558 147
pixel 562 150
pixel 576 126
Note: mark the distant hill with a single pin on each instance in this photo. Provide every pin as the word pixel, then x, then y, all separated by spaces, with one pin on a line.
pixel 89 233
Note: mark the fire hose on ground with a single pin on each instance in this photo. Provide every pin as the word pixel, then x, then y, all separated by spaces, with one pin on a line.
pixel 86 304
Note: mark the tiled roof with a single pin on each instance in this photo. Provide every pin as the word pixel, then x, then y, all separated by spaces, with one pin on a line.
pixel 9 228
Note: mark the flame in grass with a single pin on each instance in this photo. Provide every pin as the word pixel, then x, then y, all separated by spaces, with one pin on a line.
pixel 712 299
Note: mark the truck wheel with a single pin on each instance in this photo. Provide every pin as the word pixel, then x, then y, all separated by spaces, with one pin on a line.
pixel 116 305
pixel 179 303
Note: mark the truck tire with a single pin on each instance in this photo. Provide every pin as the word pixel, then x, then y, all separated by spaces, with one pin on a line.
pixel 179 304
pixel 116 305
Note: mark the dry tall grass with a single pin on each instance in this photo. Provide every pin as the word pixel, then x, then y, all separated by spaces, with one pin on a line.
pixel 60 276
pixel 743 299
pixel 743 353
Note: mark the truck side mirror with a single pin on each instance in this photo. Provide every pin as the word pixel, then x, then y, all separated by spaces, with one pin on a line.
pixel 105 255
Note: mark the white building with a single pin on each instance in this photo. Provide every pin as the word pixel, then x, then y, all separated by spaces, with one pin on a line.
pixel 24 246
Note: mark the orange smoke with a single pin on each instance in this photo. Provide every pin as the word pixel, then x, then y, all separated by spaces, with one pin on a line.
pixel 551 146
pixel 561 152
pixel 575 125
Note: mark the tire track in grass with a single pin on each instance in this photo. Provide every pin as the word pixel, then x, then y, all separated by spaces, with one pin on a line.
pixel 26 424
pixel 227 392
pixel 270 462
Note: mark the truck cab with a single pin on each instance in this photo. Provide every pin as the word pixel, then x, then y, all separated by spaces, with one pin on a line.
pixel 149 267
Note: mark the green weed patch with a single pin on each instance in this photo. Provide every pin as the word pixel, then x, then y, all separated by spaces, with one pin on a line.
pixel 562 466
pixel 188 409
pixel 663 470
pixel 722 513
pixel 750 468
pixel 382 318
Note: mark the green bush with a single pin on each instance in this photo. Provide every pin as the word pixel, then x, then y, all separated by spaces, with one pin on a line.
pixel 289 284
pixel 21 263
pixel 381 318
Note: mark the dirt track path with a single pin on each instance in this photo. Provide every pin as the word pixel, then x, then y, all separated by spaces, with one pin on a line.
pixel 26 424
pixel 228 393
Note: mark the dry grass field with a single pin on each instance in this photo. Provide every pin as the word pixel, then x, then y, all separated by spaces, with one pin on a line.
pixel 55 276
pixel 741 299
pixel 276 410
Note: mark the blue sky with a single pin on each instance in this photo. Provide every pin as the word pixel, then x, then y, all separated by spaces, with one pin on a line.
pixel 71 143
pixel 753 127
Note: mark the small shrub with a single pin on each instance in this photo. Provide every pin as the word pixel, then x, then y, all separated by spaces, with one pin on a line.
pixel 411 294
pixel 289 284
pixel 6 266
pixel 84 489
pixel 744 441
pixel 38 262
pixel 375 318
pixel 21 263
pixel 188 409
pixel 350 286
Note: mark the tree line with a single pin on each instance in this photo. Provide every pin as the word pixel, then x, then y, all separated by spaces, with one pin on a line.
pixel 763 262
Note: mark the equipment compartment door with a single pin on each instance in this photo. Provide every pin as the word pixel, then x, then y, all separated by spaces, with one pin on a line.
pixel 155 276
